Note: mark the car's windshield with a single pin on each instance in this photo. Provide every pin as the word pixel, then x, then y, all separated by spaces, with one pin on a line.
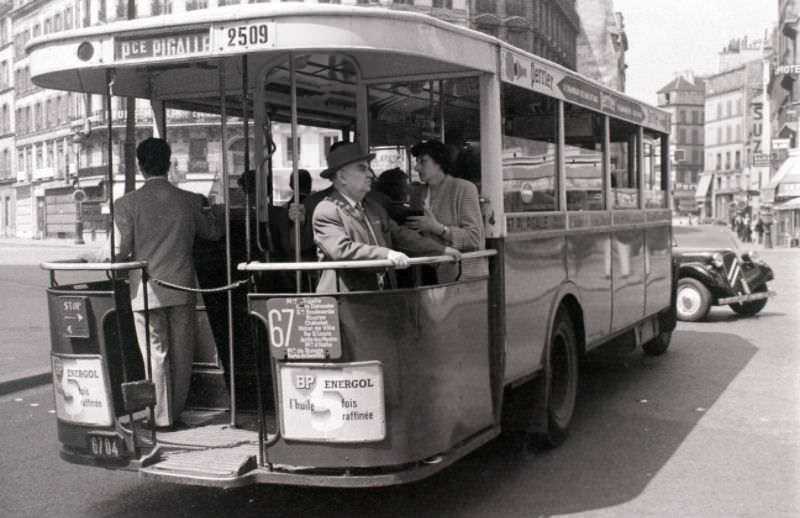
pixel 705 237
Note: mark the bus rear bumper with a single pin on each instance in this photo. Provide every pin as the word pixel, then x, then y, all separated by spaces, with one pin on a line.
pixel 239 468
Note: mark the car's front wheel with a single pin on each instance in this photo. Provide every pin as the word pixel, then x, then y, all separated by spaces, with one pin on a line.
pixel 693 300
pixel 748 309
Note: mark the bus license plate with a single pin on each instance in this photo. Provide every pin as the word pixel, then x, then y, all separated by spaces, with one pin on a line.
pixel 105 446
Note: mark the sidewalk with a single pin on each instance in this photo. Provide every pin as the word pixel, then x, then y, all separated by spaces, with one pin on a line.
pixel 25 343
pixel 49 243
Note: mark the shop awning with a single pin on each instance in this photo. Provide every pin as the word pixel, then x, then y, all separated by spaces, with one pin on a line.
pixel 702 187
pixel 793 204
pixel 786 181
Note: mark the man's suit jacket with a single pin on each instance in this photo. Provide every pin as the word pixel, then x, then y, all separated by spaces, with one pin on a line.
pixel 341 233
pixel 158 223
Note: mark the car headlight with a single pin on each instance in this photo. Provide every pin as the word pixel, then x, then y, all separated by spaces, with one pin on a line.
pixel 717 260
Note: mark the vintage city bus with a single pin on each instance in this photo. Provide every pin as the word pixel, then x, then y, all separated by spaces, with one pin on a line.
pixel 368 388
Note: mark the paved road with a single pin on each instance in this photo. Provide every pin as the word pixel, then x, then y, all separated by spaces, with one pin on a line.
pixel 24 329
pixel 708 430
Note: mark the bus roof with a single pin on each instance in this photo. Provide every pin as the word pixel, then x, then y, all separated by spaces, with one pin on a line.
pixel 174 58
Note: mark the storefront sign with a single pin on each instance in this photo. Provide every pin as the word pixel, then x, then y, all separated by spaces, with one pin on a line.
pixel 332 402
pixel 185 44
pixel 787 69
pixel 80 389
pixel 304 328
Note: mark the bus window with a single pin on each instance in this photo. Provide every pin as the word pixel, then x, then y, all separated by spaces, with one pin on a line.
pixel 529 150
pixel 624 164
pixel 583 158
pixel 654 181
pixel 406 112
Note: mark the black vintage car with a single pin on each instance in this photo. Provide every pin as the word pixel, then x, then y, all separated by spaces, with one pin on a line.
pixel 713 271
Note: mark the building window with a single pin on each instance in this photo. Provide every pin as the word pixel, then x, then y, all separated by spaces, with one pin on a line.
pixel 719 161
pixel 193 5
pixel 728 134
pixel 682 136
pixel 486 6
pixel 68 18
pixel 198 155
pixel 515 8
pixel 163 7
pixel 290 150
pixel 719 134
pixel 327 142
pixel 682 116
pixel 695 137
pixel 442 4
pixel 39 156
pixel 37 122
pixel 230 2
pixel 519 38
pixel 738 160
pixel 727 160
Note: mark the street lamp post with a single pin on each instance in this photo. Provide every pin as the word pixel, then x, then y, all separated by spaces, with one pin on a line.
pixel 78 194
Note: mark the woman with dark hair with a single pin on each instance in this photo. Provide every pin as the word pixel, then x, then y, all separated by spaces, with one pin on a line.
pixel 452 210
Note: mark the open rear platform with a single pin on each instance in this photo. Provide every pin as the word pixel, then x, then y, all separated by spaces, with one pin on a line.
pixel 207 448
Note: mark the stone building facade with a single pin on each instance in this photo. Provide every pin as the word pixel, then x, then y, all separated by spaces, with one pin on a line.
pixel 684 98
pixel 53 143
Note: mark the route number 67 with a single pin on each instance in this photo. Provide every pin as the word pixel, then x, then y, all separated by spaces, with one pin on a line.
pixel 280 326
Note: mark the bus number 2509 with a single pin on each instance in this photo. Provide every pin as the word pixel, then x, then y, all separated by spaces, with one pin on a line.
pixel 245 35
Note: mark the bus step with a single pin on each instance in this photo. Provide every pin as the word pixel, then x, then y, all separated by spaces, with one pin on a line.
pixel 209 436
pixel 216 463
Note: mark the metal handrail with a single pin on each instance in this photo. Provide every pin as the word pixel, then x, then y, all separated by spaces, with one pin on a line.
pixel 256 266
pixel 81 265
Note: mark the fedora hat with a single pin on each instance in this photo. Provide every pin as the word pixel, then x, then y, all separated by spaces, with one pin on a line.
pixel 343 155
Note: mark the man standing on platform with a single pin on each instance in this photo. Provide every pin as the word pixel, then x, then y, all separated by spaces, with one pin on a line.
pixel 158 223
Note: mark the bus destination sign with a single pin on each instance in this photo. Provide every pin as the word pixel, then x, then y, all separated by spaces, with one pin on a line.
pixel 555 82
pixel 304 328
pixel 332 402
pixel 183 44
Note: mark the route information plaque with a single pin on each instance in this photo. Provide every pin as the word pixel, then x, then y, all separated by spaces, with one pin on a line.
pixel 304 328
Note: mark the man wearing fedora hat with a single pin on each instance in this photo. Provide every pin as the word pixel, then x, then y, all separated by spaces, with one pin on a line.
pixel 348 226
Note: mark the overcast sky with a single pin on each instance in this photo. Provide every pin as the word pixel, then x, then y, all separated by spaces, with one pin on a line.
pixel 665 36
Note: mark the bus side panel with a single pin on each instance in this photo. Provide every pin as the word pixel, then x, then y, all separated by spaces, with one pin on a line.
pixel 534 271
pixel 627 250
pixel 659 264
pixel 433 344
pixel 589 265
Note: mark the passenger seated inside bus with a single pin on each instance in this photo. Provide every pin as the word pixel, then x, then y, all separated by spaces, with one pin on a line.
pixel 348 226
pixel 452 210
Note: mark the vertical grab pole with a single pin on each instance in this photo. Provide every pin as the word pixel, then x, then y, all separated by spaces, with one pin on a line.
pixel 226 198
pixel 252 187
pixel 298 279
pixel 149 368
pixel 110 143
